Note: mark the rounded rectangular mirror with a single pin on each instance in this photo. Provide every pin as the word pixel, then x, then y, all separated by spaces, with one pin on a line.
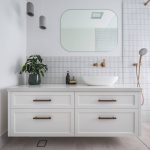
pixel 89 30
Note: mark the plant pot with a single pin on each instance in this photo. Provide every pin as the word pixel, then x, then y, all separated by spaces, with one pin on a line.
pixel 34 79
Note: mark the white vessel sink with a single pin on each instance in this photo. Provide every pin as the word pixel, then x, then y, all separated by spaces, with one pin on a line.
pixel 100 80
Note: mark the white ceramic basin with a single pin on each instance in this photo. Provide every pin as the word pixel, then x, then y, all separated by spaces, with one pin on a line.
pixel 100 80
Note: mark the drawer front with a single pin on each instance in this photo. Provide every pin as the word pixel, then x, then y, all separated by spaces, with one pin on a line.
pixel 42 100
pixel 106 123
pixel 42 122
pixel 106 100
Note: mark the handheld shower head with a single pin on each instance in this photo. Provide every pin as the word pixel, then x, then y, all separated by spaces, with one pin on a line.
pixel 143 51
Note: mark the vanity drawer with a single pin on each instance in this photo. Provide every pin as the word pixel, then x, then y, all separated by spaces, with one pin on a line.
pixel 106 100
pixel 106 122
pixel 41 122
pixel 42 100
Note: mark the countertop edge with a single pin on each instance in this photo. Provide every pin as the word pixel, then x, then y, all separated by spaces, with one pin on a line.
pixel 76 88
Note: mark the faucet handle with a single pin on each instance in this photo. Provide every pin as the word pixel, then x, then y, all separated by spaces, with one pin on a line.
pixel 103 63
pixel 95 64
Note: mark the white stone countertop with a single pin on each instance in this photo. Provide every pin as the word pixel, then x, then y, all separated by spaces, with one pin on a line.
pixel 71 88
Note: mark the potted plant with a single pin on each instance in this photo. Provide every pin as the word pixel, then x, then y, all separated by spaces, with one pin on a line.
pixel 35 68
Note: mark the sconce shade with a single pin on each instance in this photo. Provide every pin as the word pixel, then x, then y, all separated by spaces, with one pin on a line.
pixel 42 22
pixel 30 9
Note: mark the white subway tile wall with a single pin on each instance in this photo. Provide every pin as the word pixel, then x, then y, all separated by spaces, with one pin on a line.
pixel 136 35
pixel 80 66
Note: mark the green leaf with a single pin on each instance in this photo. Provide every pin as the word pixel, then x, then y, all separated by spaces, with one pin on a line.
pixel 34 65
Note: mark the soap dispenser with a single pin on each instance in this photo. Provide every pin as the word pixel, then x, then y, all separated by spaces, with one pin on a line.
pixel 67 78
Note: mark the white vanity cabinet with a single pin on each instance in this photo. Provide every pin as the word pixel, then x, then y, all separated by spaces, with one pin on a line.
pixel 107 113
pixel 81 111
pixel 41 113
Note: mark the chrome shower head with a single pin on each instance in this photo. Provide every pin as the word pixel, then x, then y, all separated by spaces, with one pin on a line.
pixel 143 51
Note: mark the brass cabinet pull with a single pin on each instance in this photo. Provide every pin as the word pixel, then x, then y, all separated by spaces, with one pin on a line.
pixel 40 100
pixel 111 100
pixel 36 118
pixel 101 118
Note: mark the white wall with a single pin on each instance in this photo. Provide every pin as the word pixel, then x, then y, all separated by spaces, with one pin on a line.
pixel 12 50
pixel 47 42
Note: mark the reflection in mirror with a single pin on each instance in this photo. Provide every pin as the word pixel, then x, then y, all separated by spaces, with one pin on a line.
pixel 89 30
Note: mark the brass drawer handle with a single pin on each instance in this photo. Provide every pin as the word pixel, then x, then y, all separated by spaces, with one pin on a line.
pixel 111 100
pixel 101 118
pixel 42 118
pixel 40 100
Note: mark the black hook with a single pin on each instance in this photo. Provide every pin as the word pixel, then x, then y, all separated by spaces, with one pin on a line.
pixel 146 3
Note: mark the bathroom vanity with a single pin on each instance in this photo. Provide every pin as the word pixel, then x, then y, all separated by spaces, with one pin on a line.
pixel 73 111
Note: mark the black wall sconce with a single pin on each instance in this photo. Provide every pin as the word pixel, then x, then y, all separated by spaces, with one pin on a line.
pixel 30 9
pixel 42 22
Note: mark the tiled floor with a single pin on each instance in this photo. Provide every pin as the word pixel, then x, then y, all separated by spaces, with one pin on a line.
pixel 123 143
pixel 145 138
